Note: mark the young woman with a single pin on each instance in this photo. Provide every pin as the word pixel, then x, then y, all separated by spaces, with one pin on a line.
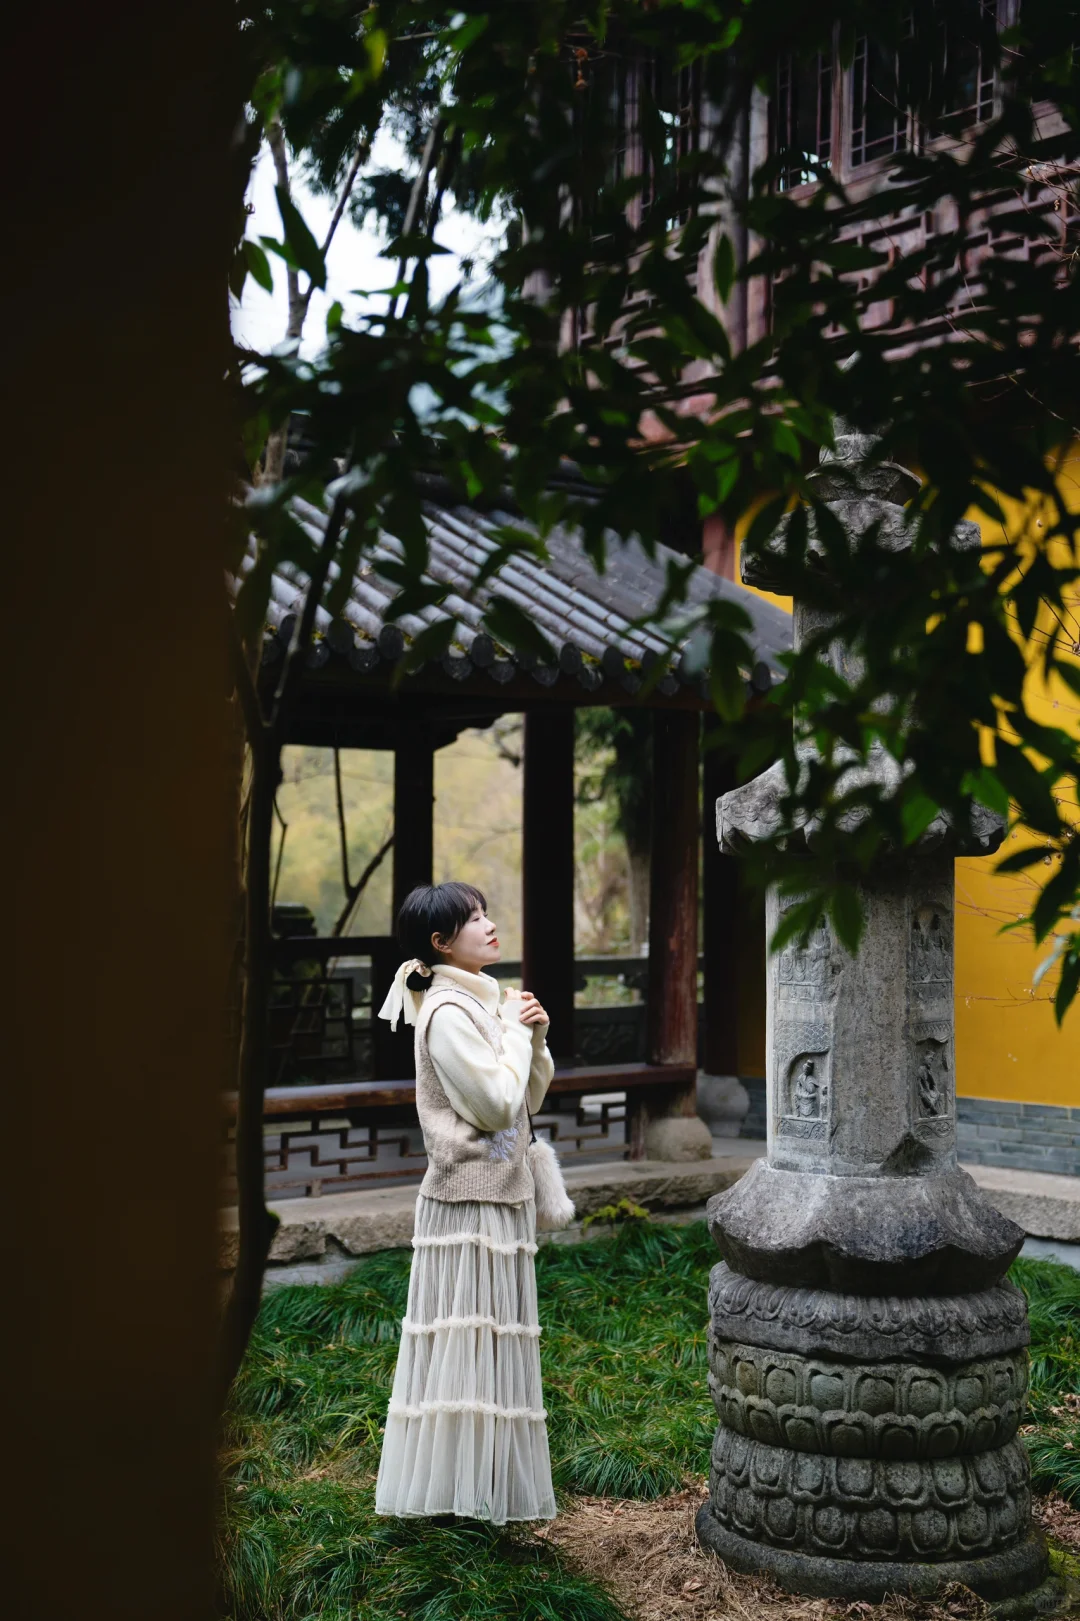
pixel 465 1430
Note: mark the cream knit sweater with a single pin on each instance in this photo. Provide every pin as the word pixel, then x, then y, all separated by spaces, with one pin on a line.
pixel 477 1067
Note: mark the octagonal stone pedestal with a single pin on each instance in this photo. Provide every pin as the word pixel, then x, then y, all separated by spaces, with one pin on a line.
pixel 867 1354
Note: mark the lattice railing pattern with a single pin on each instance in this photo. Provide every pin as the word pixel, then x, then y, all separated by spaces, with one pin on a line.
pixel 316 1154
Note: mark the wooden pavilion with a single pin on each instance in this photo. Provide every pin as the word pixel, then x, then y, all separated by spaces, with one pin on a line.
pixel 355 696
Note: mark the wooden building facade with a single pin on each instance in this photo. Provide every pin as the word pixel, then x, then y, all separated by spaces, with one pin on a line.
pixel 360 692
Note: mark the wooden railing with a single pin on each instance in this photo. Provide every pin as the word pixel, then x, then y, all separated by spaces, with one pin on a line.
pixel 349 1134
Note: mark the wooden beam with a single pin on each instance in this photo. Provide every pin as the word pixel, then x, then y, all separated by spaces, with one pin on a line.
pixel 547 870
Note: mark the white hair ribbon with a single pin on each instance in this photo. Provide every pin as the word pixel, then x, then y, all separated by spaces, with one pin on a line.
pixel 400 1000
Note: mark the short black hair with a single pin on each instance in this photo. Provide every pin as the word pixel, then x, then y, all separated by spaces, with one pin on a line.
pixel 435 909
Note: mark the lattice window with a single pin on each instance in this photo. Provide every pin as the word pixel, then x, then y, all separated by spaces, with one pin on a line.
pixel 675 95
pixel 311 1028
pixel 966 68
pixel 606 112
pixel 879 124
pixel 802 119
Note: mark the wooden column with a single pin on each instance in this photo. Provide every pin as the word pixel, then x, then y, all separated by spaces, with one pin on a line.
pixel 673 918
pixel 547 871
pixel 414 844
pixel 112 1169
pixel 414 814
pixel 721 942
pixel 673 906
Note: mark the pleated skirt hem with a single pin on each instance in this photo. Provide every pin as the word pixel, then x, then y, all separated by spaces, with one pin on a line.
pixel 465 1432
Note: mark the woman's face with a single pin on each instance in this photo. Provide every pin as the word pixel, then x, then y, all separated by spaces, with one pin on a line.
pixel 474 946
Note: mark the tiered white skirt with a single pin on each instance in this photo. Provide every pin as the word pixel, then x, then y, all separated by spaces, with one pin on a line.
pixel 465 1432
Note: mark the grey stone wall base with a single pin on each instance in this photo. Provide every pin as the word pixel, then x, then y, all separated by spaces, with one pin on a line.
pixel 1020 1570
pixel 871 1328
pixel 362 1222
pixel 864 1234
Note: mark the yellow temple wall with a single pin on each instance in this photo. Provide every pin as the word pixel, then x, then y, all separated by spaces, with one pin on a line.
pixel 1008 1046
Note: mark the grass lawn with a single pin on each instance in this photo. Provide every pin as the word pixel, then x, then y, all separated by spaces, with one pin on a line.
pixel 630 1418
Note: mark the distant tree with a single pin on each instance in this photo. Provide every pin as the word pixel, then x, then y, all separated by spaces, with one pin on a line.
pixel 625 735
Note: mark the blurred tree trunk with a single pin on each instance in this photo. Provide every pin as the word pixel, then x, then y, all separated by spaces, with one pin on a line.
pixel 119 814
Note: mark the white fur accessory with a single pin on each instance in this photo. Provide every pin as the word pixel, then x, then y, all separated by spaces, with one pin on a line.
pixel 554 1207
pixel 401 1002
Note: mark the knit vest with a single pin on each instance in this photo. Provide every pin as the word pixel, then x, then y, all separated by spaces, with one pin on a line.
pixel 464 1163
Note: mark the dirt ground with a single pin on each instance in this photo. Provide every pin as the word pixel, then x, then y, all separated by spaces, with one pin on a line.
pixel 648 1556
pixel 1059 1520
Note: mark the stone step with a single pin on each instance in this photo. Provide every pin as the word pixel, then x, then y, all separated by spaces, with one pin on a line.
pixel 319 1239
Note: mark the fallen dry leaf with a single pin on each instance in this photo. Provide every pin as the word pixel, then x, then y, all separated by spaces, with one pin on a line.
pixel 647 1555
pixel 1058 1519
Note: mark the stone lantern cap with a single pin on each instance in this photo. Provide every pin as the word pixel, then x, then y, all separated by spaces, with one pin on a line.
pixel 861 491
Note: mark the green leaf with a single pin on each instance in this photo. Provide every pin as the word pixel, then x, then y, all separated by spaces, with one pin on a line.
pixel 796 923
pixel 1068 984
pixel 258 265
pixel 846 910
pixel 764 523
pixel 507 623
pixel 916 814
pixel 403 516
pixel 1020 860
pixel 724 267
pixel 375 44
pixel 333 317
pixel 414 246
pixel 1069 673
pixel 306 251
pixel 254 595
pixel 281 249
pixel 1027 788
pixel 1057 895
pixel 512 543
pixel 432 642
pixel 985 786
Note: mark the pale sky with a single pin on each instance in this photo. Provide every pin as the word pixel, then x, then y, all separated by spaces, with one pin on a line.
pixel 353 261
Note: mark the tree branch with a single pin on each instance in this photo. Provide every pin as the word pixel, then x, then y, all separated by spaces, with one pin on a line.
pixel 294 658
pixel 349 182
pixel 257 1225
pixel 277 442
pixel 275 139
pixel 361 884
pixel 343 836
pixel 280 854
pixel 416 197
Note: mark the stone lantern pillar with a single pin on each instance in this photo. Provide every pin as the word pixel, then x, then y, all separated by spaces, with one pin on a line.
pixel 867 1356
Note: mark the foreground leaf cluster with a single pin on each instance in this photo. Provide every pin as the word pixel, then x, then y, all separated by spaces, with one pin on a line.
pixel 510 110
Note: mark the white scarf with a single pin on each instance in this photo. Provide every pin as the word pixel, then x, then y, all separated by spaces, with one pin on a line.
pixel 400 1000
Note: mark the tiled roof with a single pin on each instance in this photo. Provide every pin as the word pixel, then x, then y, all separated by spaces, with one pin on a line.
pixel 587 617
